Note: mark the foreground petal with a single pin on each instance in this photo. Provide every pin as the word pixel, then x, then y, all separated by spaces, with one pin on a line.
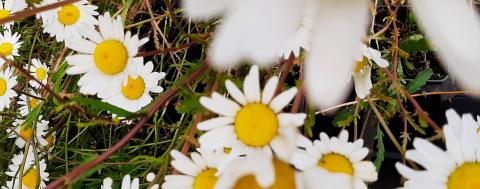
pixel 204 9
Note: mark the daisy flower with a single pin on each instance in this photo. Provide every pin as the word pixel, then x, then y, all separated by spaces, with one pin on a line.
pixel 9 45
pixel 199 171
pixel 27 103
pixel 134 94
pixel 9 7
pixel 257 172
pixel 253 123
pixel 31 173
pixel 330 158
pixel 247 30
pixel 50 141
pixel 363 69
pixel 127 183
pixel 457 167
pixel 69 21
pixel 40 71
pixel 106 57
pixel 7 82
pixel 25 131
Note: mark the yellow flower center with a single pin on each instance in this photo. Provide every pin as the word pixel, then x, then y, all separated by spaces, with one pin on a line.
pixel 41 74
pixel 4 13
pixel 466 176
pixel 284 178
pixel 3 86
pixel 227 150
pixel 336 163
pixel 361 64
pixel 134 88
pixel 110 57
pixel 256 124
pixel 29 179
pixel 205 180
pixel 33 103
pixel 26 132
pixel 6 49
pixel 49 140
pixel 68 15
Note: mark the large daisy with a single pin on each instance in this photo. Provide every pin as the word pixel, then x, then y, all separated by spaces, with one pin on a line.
pixel 107 57
pixel 457 167
pixel 9 45
pixel 28 103
pixel 25 131
pixel 33 176
pixel 40 71
pixel 134 94
pixel 9 7
pixel 7 82
pixel 254 122
pixel 363 69
pixel 330 158
pixel 69 21
pixel 198 172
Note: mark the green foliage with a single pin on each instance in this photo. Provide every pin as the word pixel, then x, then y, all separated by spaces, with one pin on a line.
pixel 419 81
pixel 345 117
pixel 380 156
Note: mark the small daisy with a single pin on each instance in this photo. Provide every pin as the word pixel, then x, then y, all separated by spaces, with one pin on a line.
pixel 198 172
pixel 7 82
pixel 24 132
pixel 127 183
pixel 9 7
pixel 134 94
pixel 363 69
pixel 106 57
pixel 28 103
pixel 31 173
pixel 258 172
pixel 254 123
pixel 40 71
pixel 9 45
pixel 458 167
pixel 334 157
pixel 69 21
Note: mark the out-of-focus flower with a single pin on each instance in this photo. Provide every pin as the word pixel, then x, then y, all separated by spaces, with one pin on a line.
pixel 9 7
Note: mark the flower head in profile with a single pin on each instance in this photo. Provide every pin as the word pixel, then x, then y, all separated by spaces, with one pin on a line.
pixel 24 131
pixel 38 70
pixel 9 45
pixel 335 158
pixel 197 172
pixel 69 21
pixel 28 102
pixel 9 7
pixel 106 57
pixel 457 167
pixel 252 123
pixel 7 82
pixel 32 176
pixel 363 69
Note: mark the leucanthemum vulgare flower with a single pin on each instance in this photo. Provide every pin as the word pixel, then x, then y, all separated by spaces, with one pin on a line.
pixel 25 131
pixel 38 70
pixel 7 82
pixel 363 69
pixel 259 172
pixel 134 94
pixel 334 158
pixel 32 175
pixel 106 57
pixel 9 45
pixel 197 172
pixel 127 183
pixel 9 7
pixel 248 31
pixel 69 21
pixel 458 167
pixel 253 123
pixel 28 103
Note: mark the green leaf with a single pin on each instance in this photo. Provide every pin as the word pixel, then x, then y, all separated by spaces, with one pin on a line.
pixel 344 118
pixel 380 149
pixel 419 81
pixel 414 43
pixel 94 103
pixel 310 122
pixel 190 105
pixel 415 125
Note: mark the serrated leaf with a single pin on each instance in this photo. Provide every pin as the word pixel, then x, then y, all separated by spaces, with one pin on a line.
pixel 419 81
pixel 415 125
pixel 380 150
pixel 94 103
pixel 414 43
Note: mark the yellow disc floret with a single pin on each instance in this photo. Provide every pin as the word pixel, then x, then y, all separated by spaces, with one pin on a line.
pixel 134 88
pixel 256 124
pixel 336 163
pixel 33 103
pixel 49 140
pixel 41 73
pixel 4 13
pixel 26 132
pixel 3 86
pixel 110 57
pixel 361 64
pixel 205 180
pixel 30 179
pixel 6 49
pixel 466 176
pixel 68 15
pixel 284 178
